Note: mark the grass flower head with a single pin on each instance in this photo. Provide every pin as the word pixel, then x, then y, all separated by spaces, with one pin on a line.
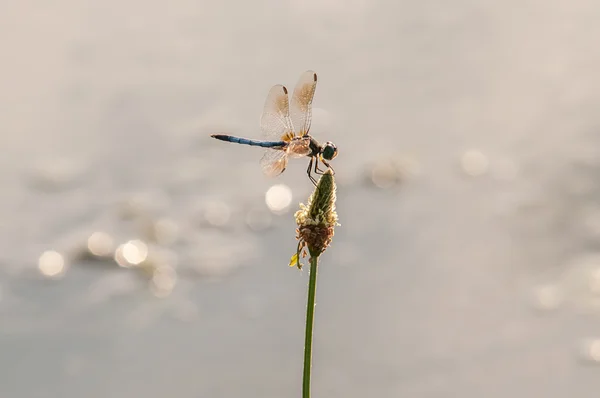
pixel 316 220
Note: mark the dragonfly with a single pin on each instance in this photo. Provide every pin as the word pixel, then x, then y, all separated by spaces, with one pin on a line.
pixel 286 130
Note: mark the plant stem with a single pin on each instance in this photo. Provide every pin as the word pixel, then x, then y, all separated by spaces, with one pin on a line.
pixel 310 319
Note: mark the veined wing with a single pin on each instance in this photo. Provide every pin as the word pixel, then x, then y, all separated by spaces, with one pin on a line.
pixel 274 162
pixel 275 121
pixel 301 106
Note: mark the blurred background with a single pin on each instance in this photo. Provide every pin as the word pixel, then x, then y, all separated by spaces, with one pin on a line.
pixel 141 258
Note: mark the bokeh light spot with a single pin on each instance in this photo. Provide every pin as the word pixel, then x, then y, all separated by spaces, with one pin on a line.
pixel 217 214
pixel 163 281
pixel 548 297
pixel 100 244
pixel 258 219
pixel 51 264
pixel 384 175
pixel 590 352
pixel 278 198
pixel 474 163
pixel 131 253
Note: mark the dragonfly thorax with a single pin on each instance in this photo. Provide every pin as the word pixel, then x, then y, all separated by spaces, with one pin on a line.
pixel 315 147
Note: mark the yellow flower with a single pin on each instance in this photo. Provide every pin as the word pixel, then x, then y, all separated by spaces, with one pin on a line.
pixel 316 220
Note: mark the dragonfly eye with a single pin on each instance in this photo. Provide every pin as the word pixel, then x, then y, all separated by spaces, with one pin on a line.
pixel 329 151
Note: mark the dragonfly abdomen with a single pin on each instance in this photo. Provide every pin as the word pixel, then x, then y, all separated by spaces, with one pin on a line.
pixel 246 141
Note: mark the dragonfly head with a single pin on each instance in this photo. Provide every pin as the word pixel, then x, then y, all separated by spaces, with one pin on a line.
pixel 329 150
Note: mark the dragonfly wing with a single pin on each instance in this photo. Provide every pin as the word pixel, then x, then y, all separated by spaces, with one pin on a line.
pixel 301 106
pixel 274 162
pixel 275 121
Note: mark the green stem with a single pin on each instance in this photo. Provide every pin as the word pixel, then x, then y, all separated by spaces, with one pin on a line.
pixel 310 319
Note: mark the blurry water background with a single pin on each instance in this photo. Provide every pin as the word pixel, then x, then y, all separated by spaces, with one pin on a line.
pixel 467 263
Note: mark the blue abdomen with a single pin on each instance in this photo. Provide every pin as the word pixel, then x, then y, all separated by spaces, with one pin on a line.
pixel 245 141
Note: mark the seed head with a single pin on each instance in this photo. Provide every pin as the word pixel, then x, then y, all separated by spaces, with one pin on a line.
pixel 316 220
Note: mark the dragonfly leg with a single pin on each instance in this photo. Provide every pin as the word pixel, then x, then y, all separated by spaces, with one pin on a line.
pixel 328 166
pixel 317 169
pixel 308 171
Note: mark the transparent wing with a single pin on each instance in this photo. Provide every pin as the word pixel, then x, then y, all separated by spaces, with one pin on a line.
pixel 275 121
pixel 273 162
pixel 299 147
pixel 301 105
